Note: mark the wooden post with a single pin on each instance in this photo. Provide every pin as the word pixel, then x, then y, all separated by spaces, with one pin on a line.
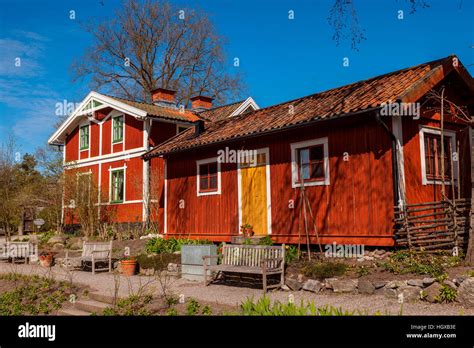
pixel 470 245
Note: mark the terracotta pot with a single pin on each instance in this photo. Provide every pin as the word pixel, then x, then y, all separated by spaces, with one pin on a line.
pixel 46 260
pixel 128 267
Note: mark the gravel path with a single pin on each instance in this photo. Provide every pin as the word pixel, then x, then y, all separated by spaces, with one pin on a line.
pixel 230 295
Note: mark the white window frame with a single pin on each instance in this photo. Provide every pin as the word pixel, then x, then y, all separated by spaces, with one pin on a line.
pixel 452 138
pixel 178 126
pixel 294 165
pixel 83 125
pixel 115 169
pixel 206 161
pixel 112 118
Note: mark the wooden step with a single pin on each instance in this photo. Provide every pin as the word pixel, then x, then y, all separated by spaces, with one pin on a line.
pixel 102 298
pixel 73 312
pixel 91 306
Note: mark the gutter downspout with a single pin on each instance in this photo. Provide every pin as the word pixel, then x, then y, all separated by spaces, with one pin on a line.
pixel 396 192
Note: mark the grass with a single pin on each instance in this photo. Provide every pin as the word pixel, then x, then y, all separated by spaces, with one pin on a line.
pixel 34 295
pixel 264 307
pixel 422 263
pixel 132 305
pixel 322 270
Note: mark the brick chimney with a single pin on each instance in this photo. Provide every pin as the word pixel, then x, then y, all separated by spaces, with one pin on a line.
pixel 163 96
pixel 201 102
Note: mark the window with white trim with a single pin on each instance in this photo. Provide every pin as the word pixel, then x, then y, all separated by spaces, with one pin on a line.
pixel 83 190
pixel 117 185
pixel 431 160
pixel 208 177
pixel 84 137
pixel 310 163
pixel 117 129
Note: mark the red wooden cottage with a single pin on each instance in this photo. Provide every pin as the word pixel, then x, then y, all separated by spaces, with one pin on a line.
pixel 348 149
pixel 105 138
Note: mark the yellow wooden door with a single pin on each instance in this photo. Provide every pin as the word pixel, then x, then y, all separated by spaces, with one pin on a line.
pixel 254 194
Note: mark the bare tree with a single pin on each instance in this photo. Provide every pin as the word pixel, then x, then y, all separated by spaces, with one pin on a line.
pixel 156 44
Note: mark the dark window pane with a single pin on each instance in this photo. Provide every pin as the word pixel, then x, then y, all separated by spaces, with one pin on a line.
pixel 213 168
pixel 203 183
pixel 203 169
pixel 317 170
pixel 213 182
pixel 316 153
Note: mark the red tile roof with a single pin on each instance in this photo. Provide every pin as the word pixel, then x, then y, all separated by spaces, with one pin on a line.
pixel 220 112
pixel 355 97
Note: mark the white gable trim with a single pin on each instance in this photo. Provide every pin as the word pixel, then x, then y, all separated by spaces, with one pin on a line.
pixel 248 102
pixel 107 101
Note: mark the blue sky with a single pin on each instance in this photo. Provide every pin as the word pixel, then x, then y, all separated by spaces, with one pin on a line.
pixel 280 58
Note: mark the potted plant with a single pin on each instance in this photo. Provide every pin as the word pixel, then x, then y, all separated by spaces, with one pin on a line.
pixel 46 259
pixel 247 230
pixel 128 265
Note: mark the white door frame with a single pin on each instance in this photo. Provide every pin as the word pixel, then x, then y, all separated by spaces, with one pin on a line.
pixel 266 151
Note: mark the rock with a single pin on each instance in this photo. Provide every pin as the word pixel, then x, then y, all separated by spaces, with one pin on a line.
pixel 174 267
pixel 344 285
pixel 57 239
pixel 312 285
pixel 395 284
pixel 379 252
pixel 58 246
pixel 432 292
pixel 415 282
pixel 380 284
pixel 450 284
pixel 294 284
pixel 466 292
pixel 361 259
pixel 75 243
pixel 410 293
pixel 285 287
pixel 300 278
pixel 366 287
pixel 328 283
pixel 428 281
pixel 390 293
pixel 459 280
pixel 369 258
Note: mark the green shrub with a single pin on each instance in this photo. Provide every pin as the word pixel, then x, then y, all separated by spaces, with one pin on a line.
pixel 402 262
pixel 267 240
pixel 322 270
pixel 193 307
pixel 446 294
pixel 158 262
pixel 34 295
pixel 132 305
pixel 291 254
pixel 206 310
pixel 264 307
pixel 171 245
pixel 44 237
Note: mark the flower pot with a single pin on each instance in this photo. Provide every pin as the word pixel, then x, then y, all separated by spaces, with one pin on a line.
pixel 46 260
pixel 128 267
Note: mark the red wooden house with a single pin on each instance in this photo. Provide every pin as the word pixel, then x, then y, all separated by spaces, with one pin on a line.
pixel 347 148
pixel 105 138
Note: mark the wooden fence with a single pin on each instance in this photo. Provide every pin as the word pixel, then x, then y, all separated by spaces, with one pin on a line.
pixel 433 225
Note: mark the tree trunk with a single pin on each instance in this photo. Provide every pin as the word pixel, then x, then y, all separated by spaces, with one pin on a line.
pixel 470 245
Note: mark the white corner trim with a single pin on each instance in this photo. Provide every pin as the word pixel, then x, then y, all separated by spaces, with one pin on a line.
pixel 397 127
pixel 294 165
pixel 245 104
pixel 452 139
pixel 206 161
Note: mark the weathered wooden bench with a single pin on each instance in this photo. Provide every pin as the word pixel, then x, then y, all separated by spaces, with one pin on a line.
pixel 92 252
pixel 18 250
pixel 250 259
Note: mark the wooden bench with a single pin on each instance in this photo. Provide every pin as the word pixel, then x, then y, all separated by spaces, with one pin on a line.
pixel 92 252
pixel 251 259
pixel 18 250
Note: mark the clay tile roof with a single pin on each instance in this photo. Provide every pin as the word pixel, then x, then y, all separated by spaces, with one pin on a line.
pixel 161 111
pixel 220 112
pixel 355 97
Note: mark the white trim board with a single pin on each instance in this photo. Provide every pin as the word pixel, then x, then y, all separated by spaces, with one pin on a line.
pixel 116 104
pixel 397 126
pixel 437 131
pixel 245 104
pixel 206 161
pixel 266 151
pixel 112 157
pixel 294 166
